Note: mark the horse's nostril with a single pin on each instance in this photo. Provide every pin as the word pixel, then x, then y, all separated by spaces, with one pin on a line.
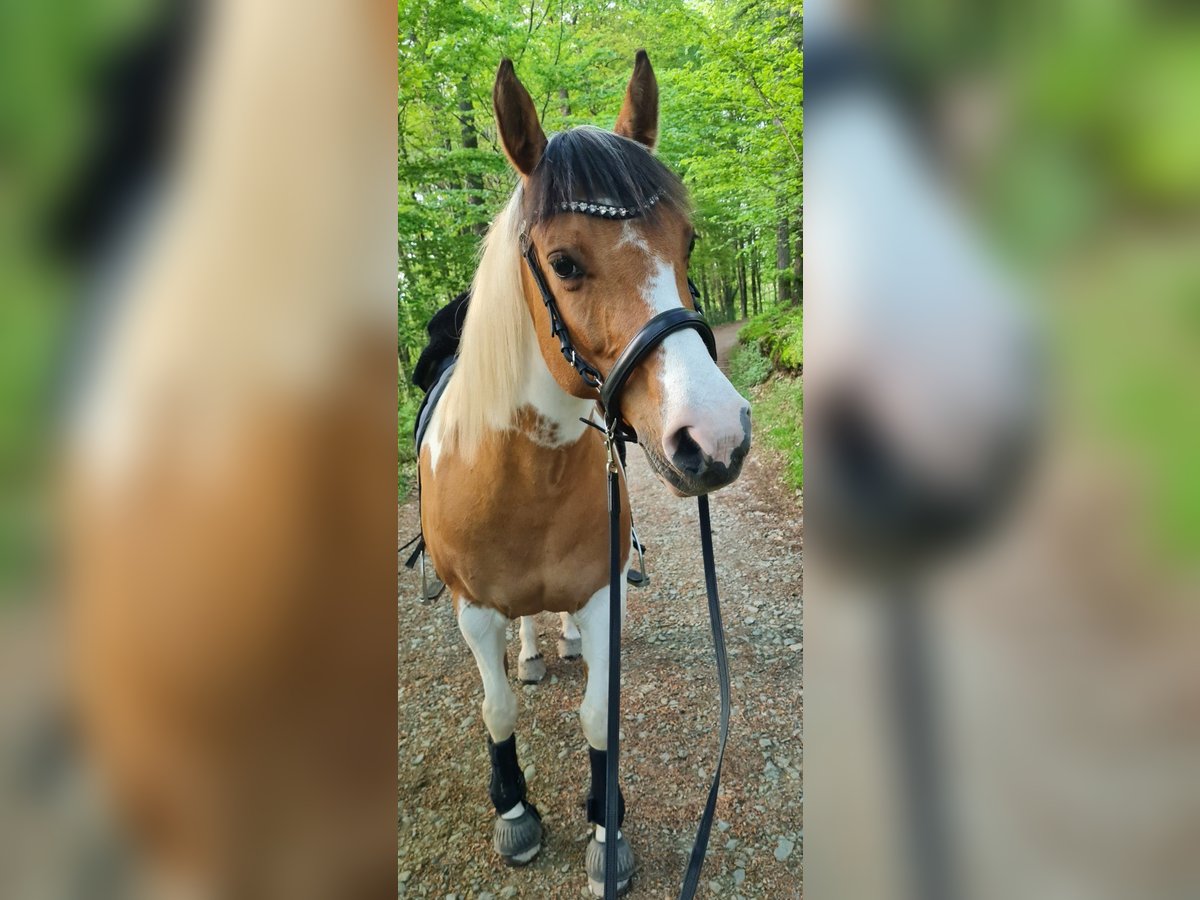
pixel 687 455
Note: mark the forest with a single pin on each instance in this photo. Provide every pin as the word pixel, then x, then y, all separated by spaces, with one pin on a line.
pixel 730 85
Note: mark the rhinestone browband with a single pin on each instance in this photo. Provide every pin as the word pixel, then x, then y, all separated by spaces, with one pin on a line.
pixel 604 210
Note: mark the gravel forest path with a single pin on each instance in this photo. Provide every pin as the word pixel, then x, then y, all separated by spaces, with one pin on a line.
pixel 669 715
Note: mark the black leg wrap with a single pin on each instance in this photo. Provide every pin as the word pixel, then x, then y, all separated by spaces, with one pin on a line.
pixel 507 787
pixel 596 793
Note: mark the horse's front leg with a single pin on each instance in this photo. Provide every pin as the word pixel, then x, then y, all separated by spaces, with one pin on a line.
pixel 592 621
pixel 517 832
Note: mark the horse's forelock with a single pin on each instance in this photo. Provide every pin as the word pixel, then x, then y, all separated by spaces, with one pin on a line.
pixel 591 164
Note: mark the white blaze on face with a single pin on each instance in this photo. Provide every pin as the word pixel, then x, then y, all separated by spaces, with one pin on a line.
pixel 630 235
pixel 696 394
pixel 907 311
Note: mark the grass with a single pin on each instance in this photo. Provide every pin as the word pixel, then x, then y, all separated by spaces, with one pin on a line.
pixel 748 367
pixel 1128 336
pixel 776 394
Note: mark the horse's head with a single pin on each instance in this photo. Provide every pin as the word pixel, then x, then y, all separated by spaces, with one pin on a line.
pixel 610 234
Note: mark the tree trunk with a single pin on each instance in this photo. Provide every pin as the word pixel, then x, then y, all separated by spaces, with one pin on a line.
pixel 755 287
pixel 565 103
pixel 741 275
pixel 798 263
pixel 783 262
pixel 470 141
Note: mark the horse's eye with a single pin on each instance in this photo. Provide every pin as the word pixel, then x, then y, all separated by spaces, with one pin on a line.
pixel 565 268
pixel 691 246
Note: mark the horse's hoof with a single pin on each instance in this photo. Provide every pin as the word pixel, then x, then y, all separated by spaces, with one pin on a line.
pixel 595 866
pixel 518 840
pixel 531 671
pixel 570 648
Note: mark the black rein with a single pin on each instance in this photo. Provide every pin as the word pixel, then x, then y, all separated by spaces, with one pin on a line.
pixel 653 333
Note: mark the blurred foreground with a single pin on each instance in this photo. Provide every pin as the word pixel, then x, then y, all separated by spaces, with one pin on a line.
pixel 1002 425
pixel 199 679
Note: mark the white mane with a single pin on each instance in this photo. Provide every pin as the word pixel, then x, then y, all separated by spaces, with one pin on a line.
pixel 486 387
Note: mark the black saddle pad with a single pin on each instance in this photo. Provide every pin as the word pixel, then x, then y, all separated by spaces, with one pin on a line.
pixel 425 413
pixel 432 371
pixel 445 334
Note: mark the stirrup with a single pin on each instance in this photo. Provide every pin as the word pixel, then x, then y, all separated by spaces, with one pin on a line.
pixel 636 576
pixel 431 588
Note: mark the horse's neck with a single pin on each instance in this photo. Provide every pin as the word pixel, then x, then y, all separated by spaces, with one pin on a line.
pixel 541 412
pixel 558 412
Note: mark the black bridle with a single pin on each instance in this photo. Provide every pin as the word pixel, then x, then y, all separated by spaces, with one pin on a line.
pixel 617 432
pixel 653 333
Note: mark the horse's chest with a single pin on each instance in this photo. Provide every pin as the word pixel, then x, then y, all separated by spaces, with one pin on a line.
pixel 553 526
pixel 533 536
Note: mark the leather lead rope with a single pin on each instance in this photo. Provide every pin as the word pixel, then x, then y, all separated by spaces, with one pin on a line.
pixel 648 337
pixel 612 827
pixel 691 879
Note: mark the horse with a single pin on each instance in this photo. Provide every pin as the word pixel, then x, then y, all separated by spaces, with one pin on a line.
pixel 593 243
pixel 229 551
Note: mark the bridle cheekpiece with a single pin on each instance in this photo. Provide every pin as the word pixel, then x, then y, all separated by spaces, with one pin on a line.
pixel 653 333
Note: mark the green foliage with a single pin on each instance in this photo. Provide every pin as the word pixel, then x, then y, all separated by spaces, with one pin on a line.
pixel 765 367
pixel 779 335
pixel 50 58
pixel 778 405
pixel 748 366
pixel 406 416
pixel 1142 397
pixel 779 423
pixel 730 123
pixel 1091 180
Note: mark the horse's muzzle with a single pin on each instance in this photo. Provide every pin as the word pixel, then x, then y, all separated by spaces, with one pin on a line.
pixel 694 470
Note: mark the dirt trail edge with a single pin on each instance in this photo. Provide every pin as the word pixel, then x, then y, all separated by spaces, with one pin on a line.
pixel 669 715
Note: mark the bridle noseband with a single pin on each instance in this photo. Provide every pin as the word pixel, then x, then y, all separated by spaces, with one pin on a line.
pixel 650 336
pixel 616 432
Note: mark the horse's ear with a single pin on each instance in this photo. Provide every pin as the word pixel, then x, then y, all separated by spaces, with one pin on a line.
pixel 639 113
pixel 517 123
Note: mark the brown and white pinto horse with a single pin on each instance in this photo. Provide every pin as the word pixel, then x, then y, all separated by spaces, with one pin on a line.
pixel 513 504
pixel 229 547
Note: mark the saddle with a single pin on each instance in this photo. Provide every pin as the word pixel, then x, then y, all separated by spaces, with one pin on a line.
pixel 432 371
pixel 431 374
